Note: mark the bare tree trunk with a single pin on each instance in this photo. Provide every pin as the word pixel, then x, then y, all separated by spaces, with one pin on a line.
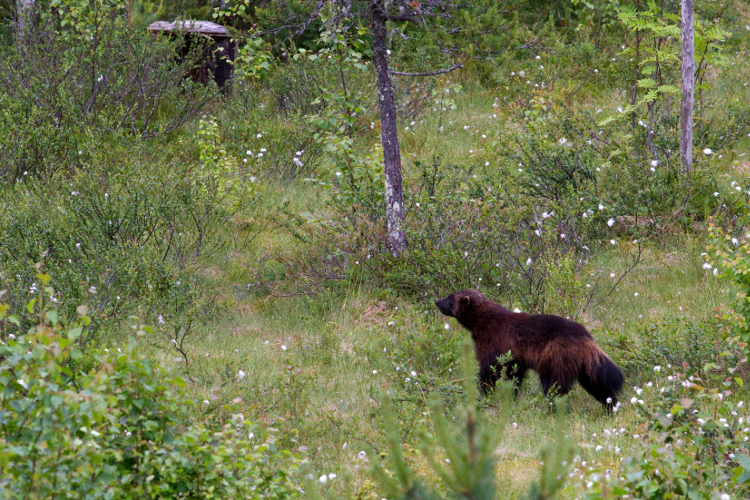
pixel 688 86
pixel 394 195
pixel 23 9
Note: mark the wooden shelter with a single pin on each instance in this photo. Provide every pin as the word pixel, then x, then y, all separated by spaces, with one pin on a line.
pixel 219 47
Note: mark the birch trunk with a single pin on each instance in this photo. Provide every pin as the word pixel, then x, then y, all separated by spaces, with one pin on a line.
pixel 688 86
pixel 23 8
pixel 389 135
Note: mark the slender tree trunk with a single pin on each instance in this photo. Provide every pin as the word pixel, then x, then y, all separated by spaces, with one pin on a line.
pixel 394 195
pixel 688 86
pixel 23 9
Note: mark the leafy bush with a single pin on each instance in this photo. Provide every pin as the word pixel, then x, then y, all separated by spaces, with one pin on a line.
pixel 128 239
pixel 731 257
pixel 80 73
pixel 671 340
pixel 689 438
pixel 117 425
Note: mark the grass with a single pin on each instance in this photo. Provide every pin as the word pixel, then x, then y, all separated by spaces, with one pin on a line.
pixel 316 365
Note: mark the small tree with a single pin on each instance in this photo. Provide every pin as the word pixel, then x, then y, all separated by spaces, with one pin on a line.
pixel 433 28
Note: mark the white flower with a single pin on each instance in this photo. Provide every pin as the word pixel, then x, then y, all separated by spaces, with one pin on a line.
pixel 413 373
pixel 528 261
pixel 362 456
pixel 447 326
pixel 298 162
pixel 205 401
pixel 634 400
pixel 374 372
pixel 635 294
pixel 613 242
pixel 654 163
pixel 259 136
pixel 563 140
pixel 22 384
pixel 516 310
pixel 601 207
pixel 706 265
pixel 250 435
pixel 241 374
pixel 707 151
pixel 598 448
pixel 249 153
pixel 611 275
pixel 716 271
pixel 323 479
pixel 611 222
pixel 724 496
pixel 657 368
pixel 716 194
pixel 283 348
pixel 338 174
pixel 735 242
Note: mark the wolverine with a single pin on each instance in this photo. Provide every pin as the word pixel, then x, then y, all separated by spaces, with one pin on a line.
pixel 559 350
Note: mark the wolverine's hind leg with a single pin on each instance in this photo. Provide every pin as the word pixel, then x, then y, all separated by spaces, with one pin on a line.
pixel 557 370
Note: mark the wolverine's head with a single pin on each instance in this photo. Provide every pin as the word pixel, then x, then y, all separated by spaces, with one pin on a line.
pixel 456 305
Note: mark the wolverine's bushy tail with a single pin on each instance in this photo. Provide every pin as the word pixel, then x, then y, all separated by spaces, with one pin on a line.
pixel 600 376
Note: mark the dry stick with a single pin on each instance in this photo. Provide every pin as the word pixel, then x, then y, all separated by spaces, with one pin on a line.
pixel 428 73
pixel 627 271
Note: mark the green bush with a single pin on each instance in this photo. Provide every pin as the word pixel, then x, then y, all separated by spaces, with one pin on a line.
pixel 672 340
pixel 129 238
pixel 688 439
pixel 82 73
pixel 117 425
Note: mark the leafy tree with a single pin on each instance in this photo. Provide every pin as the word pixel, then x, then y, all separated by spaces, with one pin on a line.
pixel 439 35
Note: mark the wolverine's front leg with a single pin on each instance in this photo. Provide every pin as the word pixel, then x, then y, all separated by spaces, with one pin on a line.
pixel 516 372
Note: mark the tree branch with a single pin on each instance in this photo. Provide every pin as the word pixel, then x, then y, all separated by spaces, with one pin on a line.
pixel 429 73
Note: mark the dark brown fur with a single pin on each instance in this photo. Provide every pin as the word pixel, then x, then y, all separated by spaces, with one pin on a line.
pixel 559 350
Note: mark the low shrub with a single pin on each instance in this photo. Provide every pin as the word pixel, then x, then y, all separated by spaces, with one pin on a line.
pixel 688 439
pixel 672 340
pixel 129 239
pixel 117 425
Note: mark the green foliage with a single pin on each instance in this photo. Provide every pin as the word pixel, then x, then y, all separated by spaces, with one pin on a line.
pixel 672 340
pixel 731 257
pixel 688 438
pixel 117 425
pixel 130 239
pixel 463 456
pixel 83 73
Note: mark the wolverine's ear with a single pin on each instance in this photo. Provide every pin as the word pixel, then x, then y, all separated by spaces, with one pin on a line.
pixel 465 300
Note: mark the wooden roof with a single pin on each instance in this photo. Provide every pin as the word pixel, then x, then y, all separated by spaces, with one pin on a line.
pixel 203 27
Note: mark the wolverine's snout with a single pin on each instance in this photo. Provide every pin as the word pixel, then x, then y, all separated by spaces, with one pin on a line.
pixel 444 306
